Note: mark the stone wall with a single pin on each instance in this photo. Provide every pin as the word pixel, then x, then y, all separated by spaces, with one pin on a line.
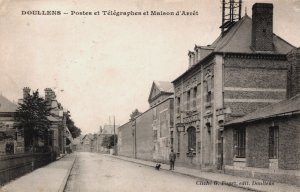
pixel 144 136
pixel 126 140
pixel 163 122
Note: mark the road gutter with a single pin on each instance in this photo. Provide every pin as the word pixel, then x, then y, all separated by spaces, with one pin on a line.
pixel 65 180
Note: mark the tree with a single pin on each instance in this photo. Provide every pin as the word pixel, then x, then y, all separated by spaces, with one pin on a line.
pixel 134 114
pixel 75 131
pixel 108 141
pixel 32 119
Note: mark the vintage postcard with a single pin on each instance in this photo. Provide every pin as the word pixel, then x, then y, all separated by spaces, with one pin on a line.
pixel 161 95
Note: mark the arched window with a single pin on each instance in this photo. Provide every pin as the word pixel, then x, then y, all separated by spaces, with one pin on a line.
pixel 191 139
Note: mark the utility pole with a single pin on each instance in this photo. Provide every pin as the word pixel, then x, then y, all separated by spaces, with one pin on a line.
pixel 115 147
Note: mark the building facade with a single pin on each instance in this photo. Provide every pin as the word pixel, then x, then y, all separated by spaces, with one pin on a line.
pixel 150 135
pixel 88 143
pixel 58 122
pixel 242 70
pixel 265 143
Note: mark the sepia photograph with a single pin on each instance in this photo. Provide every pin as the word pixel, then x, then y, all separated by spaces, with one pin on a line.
pixel 139 95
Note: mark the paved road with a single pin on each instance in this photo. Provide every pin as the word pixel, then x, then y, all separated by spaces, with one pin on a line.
pixel 96 172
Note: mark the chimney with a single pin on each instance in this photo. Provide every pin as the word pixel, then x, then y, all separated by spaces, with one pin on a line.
pixel 191 55
pixel 48 92
pixel 293 76
pixel 26 91
pixel 197 53
pixel 262 27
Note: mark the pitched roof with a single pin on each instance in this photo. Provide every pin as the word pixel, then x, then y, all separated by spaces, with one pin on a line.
pixel 164 86
pixel 6 105
pixel 238 40
pixel 283 107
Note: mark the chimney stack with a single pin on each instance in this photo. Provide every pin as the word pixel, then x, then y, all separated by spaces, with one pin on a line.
pixel 293 76
pixel 26 91
pixel 197 53
pixel 262 27
pixel 191 55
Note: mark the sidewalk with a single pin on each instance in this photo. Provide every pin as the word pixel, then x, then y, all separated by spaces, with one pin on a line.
pixel 219 178
pixel 51 178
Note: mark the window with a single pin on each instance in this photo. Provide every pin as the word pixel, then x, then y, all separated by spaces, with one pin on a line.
pixel 188 98
pixel 273 142
pixel 208 90
pixel 240 142
pixel 178 105
pixel 194 97
pixel 191 139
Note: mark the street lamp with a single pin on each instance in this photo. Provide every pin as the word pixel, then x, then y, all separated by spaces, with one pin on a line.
pixel 180 127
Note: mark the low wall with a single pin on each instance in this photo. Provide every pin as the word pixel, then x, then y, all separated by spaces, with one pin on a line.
pixel 13 166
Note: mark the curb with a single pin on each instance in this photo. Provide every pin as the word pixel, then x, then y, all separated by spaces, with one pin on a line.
pixel 193 176
pixel 64 183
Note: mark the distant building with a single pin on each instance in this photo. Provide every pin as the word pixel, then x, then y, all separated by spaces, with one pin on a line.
pixel 8 133
pixel 244 69
pixel 88 143
pixel 109 129
pixel 106 131
pixel 265 143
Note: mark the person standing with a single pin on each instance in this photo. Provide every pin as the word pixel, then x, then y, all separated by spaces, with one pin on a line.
pixel 172 158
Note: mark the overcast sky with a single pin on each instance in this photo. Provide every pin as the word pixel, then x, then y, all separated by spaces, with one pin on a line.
pixel 101 66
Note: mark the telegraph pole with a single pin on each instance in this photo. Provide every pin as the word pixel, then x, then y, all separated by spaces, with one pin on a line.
pixel 115 151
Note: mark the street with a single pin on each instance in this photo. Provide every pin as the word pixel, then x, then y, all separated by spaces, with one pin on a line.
pixel 97 172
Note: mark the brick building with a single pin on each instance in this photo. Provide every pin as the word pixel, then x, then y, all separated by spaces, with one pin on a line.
pixel 265 143
pixel 150 135
pixel 242 70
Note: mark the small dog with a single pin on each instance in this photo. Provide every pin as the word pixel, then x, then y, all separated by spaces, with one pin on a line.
pixel 157 166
